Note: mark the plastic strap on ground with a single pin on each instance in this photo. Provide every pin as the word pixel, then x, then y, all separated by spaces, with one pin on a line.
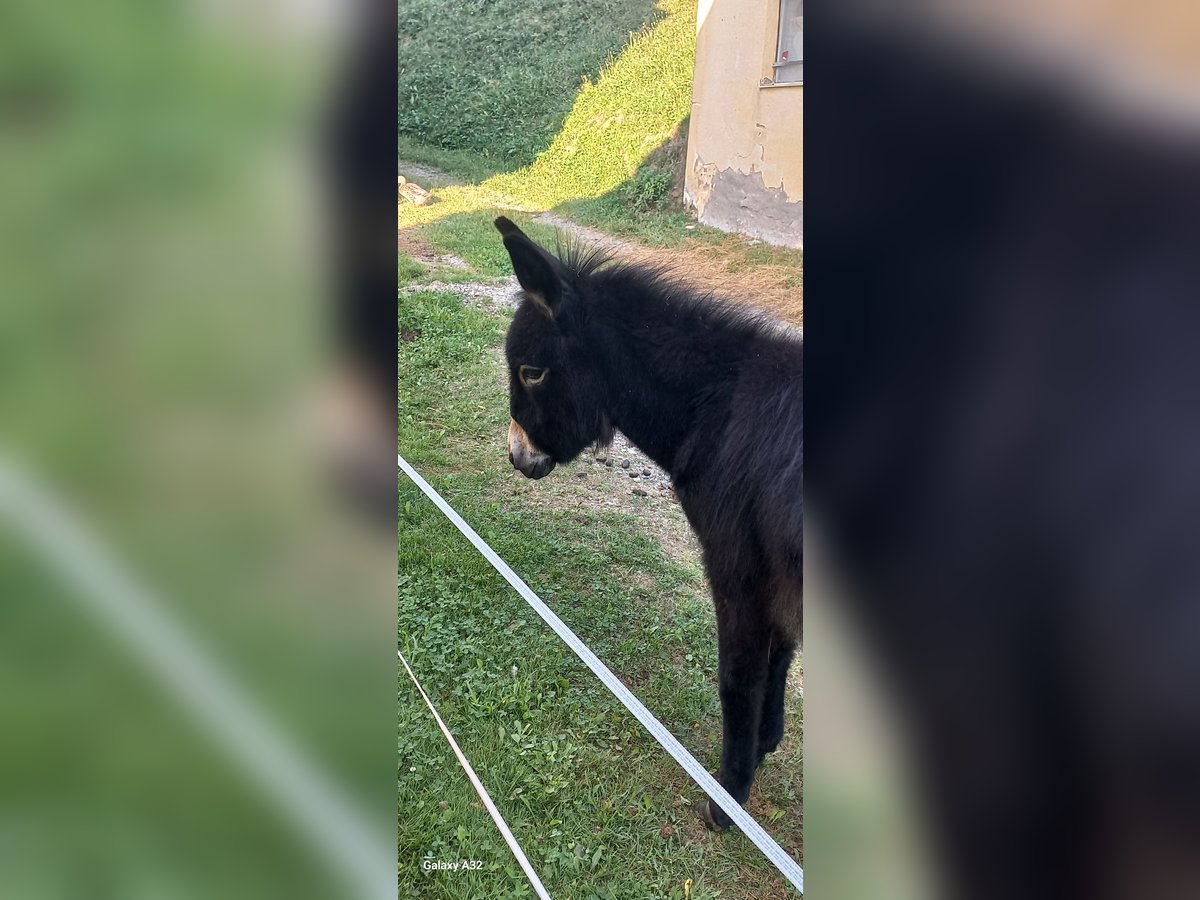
pixel 522 859
pixel 789 868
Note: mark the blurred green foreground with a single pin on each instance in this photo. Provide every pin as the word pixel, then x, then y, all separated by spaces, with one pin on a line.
pixel 163 331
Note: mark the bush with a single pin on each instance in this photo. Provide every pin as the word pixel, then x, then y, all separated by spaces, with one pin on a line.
pixel 649 189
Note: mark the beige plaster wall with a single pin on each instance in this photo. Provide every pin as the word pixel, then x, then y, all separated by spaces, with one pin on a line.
pixel 745 148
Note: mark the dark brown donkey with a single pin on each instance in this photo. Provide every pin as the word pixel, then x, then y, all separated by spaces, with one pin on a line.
pixel 712 393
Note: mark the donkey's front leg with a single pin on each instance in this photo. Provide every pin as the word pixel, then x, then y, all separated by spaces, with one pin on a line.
pixel 742 681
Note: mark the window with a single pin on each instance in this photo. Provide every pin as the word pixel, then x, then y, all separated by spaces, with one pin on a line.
pixel 789 57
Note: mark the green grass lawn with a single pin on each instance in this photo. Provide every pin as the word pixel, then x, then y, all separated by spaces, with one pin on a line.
pixel 495 80
pixel 610 122
pixel 601 810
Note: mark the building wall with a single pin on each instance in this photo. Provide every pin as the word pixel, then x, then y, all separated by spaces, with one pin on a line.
pixel 745 149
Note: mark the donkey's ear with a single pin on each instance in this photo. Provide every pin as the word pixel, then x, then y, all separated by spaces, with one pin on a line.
pixel 507 226
pixel 536 270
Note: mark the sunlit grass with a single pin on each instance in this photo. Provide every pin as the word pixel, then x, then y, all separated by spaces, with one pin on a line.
pixel 616 122
pixel 492 82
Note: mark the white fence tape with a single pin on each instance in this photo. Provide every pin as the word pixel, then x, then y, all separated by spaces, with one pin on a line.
pixel 522 859
pixel 779 858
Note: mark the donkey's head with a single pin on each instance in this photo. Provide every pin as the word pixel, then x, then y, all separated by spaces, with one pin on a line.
pixel 556 395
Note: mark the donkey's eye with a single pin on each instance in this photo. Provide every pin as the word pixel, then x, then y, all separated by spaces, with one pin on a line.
pixel 532 376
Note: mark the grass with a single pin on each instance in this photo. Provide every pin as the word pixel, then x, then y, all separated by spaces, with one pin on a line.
pixel 493 81
pixel 599 808
pixel 649 206
pixel 408 269
pixel 465 164
pixel 473 237
pixel 613 124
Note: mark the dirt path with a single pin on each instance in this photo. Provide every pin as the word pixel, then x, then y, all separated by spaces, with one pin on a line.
pixel 426 176
pixel 615 245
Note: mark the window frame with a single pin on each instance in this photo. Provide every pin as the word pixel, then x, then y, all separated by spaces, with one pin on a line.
pixel 794 68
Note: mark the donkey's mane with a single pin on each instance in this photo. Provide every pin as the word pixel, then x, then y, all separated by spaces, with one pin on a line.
pixel 667 289
pixel 581 258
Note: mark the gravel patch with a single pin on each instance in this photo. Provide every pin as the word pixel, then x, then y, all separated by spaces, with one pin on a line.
pixel 490 295
pixel 425 176
pixel 633 465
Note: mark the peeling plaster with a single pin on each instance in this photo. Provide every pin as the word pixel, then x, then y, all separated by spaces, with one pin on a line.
pixel 703 185
pixel 739 202
pixel 745 142
pixel 756 158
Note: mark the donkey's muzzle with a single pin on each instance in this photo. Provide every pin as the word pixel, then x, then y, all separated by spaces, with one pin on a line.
pixel 527 458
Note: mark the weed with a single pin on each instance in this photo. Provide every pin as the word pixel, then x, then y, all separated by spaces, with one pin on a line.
pixel 407 268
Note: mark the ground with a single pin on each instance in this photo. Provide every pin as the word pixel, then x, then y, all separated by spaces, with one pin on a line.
pixel 601 810
pixel 585 137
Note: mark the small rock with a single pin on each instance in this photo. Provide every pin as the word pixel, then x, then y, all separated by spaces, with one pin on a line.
pixel 609 463
pixel 415 194
pixel 633 474
pixel 624 464
pixel 581 474
pixel 639 492
pixel 646 472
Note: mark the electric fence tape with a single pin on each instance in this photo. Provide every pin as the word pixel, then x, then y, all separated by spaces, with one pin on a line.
pixel 522 859
pixel 780 859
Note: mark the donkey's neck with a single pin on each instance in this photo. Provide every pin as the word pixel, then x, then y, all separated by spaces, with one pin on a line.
pixel 658 422
pixel 665 359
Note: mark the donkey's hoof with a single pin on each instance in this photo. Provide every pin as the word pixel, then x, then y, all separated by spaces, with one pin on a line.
pixel 714 817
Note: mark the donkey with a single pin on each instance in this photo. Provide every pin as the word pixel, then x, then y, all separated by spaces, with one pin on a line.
pixel 712 393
